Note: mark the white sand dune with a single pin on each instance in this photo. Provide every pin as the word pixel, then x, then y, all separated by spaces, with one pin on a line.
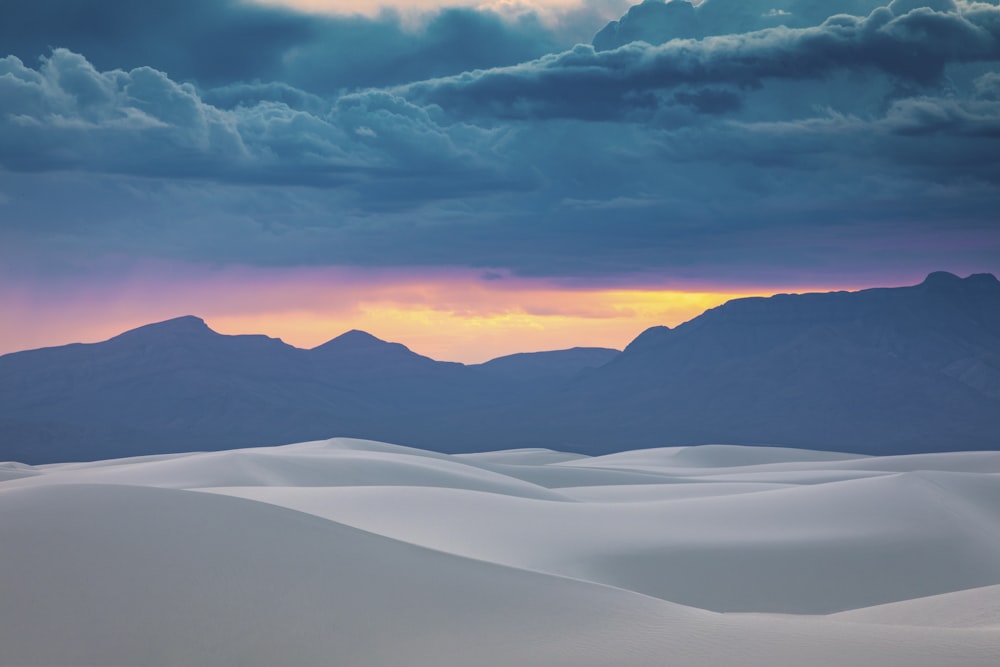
pixel 976 607
pixel 527 456
pixel 813 549
pixel 361 553
pixel 712 456
pixel 10 470
pixel 297 465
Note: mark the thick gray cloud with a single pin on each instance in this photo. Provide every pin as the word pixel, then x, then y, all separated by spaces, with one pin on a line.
pixel 915 46
pixel 866 140
pixel 658 21
pixel 66 114
pixel 218 42
pixel 210 41
pixel 360 52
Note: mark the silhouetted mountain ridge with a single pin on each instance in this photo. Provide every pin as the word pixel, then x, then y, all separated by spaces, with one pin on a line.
pixel 360 353
pixel 178 385
pixel 548 367
pixel 186 325
pixel 883 370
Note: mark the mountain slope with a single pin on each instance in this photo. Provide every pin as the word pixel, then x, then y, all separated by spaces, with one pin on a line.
pixel 546 368
pixel 882 370
pixel 887 370
pixel 172 385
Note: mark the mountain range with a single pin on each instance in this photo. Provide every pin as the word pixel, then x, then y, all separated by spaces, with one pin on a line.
pixel 886 371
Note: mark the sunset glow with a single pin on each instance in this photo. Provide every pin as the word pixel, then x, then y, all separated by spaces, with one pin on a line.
pixel 474 178
pixel 448 315
pixel 483 324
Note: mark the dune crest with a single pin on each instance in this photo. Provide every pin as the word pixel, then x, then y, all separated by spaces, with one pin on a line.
pixel 360 552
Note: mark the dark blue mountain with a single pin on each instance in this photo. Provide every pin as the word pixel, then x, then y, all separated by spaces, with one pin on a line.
pixel 879 371
pixel 179 386
pixel 886 370
pixel 548 369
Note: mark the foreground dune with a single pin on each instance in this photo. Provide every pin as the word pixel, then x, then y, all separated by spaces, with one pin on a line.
pixel 360 553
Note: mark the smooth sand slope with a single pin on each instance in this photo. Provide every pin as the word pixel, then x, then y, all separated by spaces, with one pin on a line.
pixel 352 552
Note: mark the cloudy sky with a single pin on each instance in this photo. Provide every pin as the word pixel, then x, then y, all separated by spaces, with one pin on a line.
pixel 474 179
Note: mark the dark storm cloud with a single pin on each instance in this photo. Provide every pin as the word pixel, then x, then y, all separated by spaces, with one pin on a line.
pixel 658 22
pixel 211 41
pixel 218 42
pixel 801 147
pixel 67 114
pixel 361 52
pixel 988 86
pixel 710 100
pixel 245 94
pixel 585 83
pixel 935 116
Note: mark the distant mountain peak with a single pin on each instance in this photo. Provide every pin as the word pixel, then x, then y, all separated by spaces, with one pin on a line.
pixel 354 339
pixel 650 337
pixel 363 352
pixel 983 279
pixel 185 321
pixel 356 342
pixel 359 335
pixel 946 278
pixel 187 325
pixel 941 278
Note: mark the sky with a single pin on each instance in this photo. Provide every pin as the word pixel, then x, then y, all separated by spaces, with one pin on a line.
pixel 481 178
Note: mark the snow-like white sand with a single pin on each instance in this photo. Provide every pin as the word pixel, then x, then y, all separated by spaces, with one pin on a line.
pixel 351 552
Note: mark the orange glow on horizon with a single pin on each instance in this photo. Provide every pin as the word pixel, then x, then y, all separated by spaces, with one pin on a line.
pixel 483 329
pixel 473 324
pixel 450 315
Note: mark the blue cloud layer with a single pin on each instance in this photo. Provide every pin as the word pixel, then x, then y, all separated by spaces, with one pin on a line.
pixel 217 42
pixel 66 114
pixel 658 22
pixel 741 137
pixel 914 47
